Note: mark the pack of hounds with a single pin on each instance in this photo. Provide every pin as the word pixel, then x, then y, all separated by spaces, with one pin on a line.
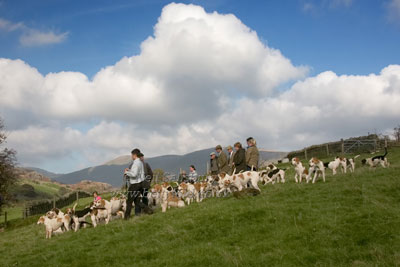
pixel 169 195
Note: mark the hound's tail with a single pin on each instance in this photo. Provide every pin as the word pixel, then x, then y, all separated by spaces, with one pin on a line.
pixel 73 208
pixel 386 152
pixel 356 156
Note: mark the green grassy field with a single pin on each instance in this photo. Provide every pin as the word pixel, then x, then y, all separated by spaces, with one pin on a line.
pixel 44 191
pixel 351 220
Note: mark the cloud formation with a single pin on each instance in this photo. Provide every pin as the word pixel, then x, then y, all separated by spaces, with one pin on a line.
pixel 202 79
pixel 32 37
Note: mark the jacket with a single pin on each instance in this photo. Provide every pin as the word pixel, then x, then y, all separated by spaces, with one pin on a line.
pixel 252 156
pixel 193 176
pixel 148 172
pixel 136 172
pixel 223 162
pixel 214 165
pixel 240 160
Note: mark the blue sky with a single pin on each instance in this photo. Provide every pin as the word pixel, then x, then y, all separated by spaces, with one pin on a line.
pixel 358 38
pixel 173 78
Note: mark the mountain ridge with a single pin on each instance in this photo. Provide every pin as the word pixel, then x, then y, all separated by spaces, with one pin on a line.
pixel 112 171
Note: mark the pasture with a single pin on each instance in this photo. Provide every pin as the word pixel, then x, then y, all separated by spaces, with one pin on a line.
pixel 351 220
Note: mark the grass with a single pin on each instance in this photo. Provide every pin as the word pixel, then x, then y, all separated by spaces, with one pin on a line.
pixel 351 220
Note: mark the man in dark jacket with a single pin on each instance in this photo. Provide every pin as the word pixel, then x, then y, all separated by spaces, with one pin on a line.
pixel 148 173
pixel 239 159
pixel 223 163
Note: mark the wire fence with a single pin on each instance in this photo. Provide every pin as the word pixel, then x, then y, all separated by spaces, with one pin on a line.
pixel 362 144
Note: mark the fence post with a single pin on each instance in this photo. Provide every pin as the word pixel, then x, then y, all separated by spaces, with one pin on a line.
pixel 327 149
pixel 305 153
pixel 23 212
pixel 375 143
pixel 386 142
pixel 54 202
pixel 342 145
pixel 5 218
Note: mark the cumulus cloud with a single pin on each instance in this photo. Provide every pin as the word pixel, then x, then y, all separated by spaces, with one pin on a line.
pixel 194 57
pixel 202 79
pixel 32 37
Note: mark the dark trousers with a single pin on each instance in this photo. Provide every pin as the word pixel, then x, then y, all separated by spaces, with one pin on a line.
pixel 146 187
pixel 135 192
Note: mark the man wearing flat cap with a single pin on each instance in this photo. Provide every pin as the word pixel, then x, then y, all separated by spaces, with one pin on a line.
pixel 213 164
pixel 222 160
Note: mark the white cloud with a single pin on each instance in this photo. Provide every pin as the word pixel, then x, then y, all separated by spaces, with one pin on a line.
pixel 194 57
pixel 33 37
pixel 37 38
pixel 393 8
pixel 8 26
pixel 202 79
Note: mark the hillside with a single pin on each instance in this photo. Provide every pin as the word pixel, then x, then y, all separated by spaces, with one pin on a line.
pixel 32 185
pixel 351 220
pixel 51 175
pixel 111 172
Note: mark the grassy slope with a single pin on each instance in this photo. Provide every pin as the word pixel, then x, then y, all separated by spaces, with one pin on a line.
pixel 351 219
pixel 44 190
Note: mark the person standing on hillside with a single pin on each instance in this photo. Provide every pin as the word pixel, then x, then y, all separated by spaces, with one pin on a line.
pixel 135 176
pixel 252 154
pixel 231 154
pixel 148 174
pixel 213 164
pixel 182 177
pixel 239 159
pixel 192 174
pixel 222 160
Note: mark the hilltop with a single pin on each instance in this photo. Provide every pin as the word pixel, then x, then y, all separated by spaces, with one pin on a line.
pixel 32 185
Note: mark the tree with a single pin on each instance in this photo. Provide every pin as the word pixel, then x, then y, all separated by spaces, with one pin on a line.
pixel 158 175
pixel 396 133
pixel 7 167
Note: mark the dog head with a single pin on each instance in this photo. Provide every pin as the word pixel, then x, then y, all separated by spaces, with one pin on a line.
pixel 295 161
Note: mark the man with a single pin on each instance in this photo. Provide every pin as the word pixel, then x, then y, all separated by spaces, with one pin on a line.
pixel 239 159
pixel 230 159
pixel 135 176
pixel 148 174
pixel 182 177
pixel 222 160
pixel 252 154
pixel 213 164
pixel 192 174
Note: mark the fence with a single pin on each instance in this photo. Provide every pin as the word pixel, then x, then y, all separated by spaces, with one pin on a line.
pixel 44 206
pixel 361 144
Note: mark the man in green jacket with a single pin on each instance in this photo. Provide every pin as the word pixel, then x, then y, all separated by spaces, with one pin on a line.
pixel 222 160
pixel 239 159
pixel 252 154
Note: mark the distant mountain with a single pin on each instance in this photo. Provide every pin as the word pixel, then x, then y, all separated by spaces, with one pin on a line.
pixel 111 172
pixel 43 172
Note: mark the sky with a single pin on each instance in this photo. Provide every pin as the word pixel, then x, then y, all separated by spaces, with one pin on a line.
pixel 82 82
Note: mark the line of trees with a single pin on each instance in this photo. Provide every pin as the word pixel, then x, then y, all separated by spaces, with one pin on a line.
pixel 7 167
